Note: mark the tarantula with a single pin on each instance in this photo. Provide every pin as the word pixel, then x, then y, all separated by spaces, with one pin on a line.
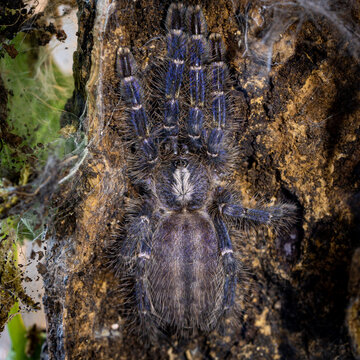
pixel 177 245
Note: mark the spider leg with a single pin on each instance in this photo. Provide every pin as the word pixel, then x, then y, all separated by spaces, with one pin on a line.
pixel 278 216
pixel 142 285
pixel 132 94
pixel 218 74
pixel 229 262
pixel 197 49
pixel 215 147
pixel 138 245
pixel 226 207
pixel 176 52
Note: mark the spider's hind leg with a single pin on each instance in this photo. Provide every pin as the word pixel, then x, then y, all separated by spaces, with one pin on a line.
pixel 136 253
pixel 226 208
pixel 229 264
pixel 142 287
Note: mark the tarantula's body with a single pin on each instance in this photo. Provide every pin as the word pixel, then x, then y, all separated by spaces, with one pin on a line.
pixel 177 245
pixel 185 275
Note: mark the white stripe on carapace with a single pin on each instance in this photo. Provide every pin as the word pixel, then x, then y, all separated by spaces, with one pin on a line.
pixel 182 187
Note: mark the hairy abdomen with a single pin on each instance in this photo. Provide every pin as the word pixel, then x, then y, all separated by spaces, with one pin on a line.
pixel 184 274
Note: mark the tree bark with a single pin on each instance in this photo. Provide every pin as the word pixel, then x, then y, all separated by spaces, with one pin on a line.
pixel 299 139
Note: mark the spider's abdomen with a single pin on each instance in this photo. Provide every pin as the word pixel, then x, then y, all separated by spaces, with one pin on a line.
pixel 185 275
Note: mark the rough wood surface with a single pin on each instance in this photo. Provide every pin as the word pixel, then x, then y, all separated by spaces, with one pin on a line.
pixel 299 138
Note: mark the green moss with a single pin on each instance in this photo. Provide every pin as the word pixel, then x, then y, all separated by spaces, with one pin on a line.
pixel 37 92
pixel 37 95
pixel 11 289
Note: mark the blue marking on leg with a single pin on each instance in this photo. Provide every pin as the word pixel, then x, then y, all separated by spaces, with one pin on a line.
pixel 132 94
pixel 228 205
pixel 197 50
pixel 215 146
pixel 174 77
pixel 218 71
pixel 173 82
pixel 139 122
pixel 150 151
pixel 218 77
pixel 219 110
pixel 197 86
pixel 176 53
pixel 131 91
pixel 171 127
pixel 195 124
pixel 176 45
pixel 172 112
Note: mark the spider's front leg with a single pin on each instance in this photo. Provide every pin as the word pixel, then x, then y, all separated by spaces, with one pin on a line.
pixel 197 49
pixel 213 138
pixel 176 52
pixel 216 140
pixel 132 94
